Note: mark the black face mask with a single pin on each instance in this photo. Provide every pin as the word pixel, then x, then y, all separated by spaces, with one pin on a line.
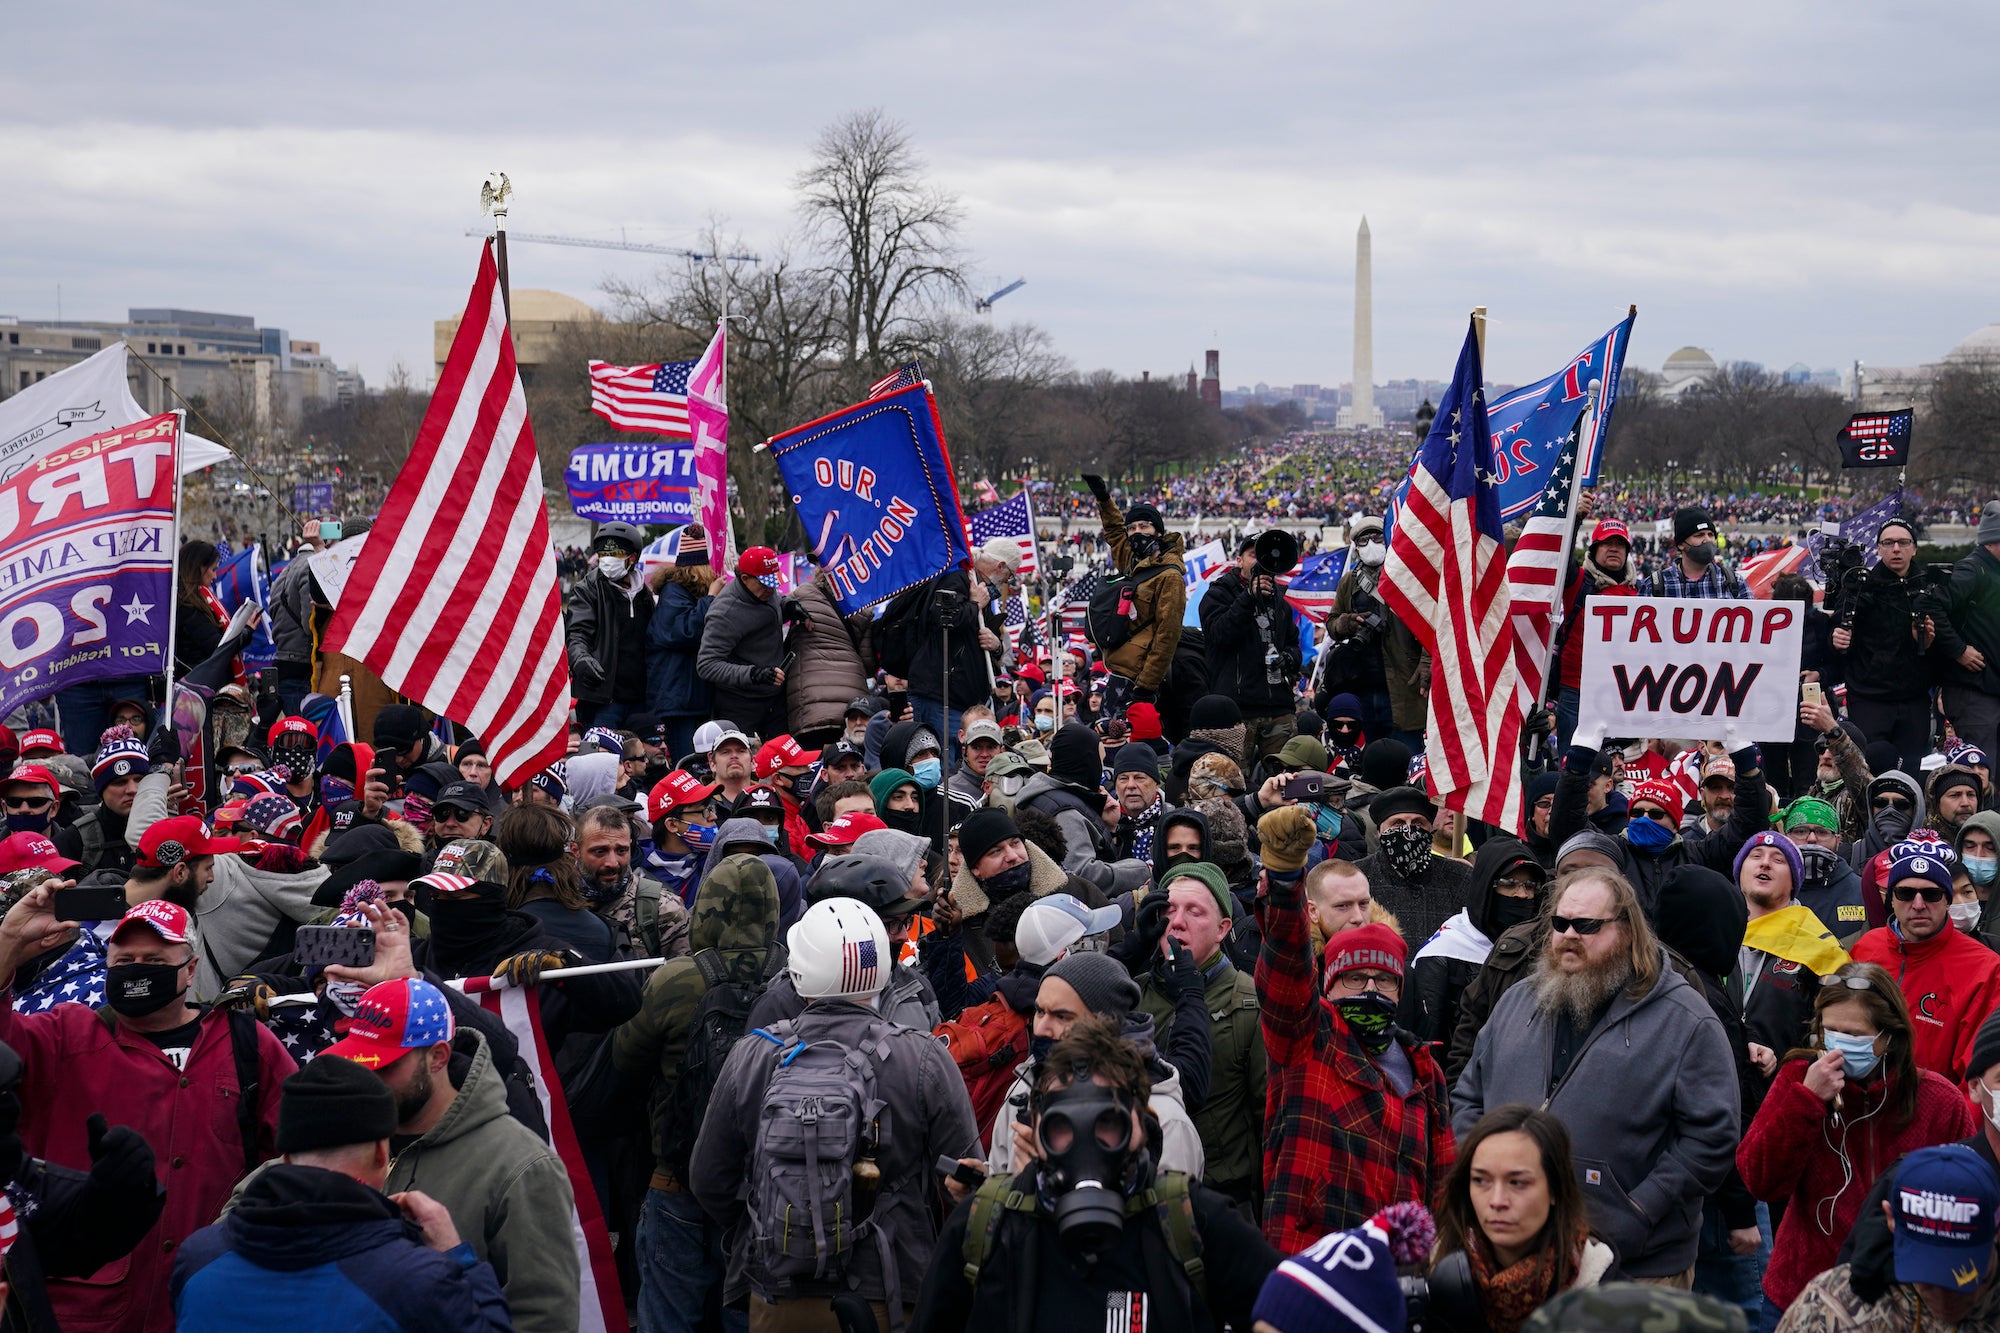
pixel 1088 1178
pixel 1371 1017
pixel 138 989
pixel 1008 882
pixel 1511 912
pixel 30 823
pixel 1141 546
pixel 1703 554
pixel 464 925
pixel 1181 859
pixel 1892 824
pixel 905 821
pixel 409 911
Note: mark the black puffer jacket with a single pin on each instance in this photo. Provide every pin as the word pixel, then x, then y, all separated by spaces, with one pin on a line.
pixel 1882 660
pixel 970 681
pixel 1971 606
pixel 1237 645
pixel 1451 960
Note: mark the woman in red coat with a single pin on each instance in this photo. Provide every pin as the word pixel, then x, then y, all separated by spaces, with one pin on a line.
pixel 1836 1115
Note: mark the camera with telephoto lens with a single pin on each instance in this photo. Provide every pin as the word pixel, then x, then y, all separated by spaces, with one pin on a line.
pixel 1845 565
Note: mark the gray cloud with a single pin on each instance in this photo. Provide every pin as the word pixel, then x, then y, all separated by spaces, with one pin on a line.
pixel 1779 181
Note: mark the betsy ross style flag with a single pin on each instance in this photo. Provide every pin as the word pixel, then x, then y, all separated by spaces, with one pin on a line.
pixel 1876 439
pixel 1015 520
pixel 650 398
pixel 453 600
pixel 1446 576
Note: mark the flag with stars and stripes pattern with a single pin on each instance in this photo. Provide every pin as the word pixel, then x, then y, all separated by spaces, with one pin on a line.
pixel 1536 568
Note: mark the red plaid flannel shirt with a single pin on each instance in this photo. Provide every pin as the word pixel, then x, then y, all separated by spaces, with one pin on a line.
pixel 1339 1145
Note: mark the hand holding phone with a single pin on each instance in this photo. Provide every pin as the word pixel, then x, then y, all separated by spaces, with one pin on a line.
pixel 97 903
pixel 1811 692
pixel 1305 786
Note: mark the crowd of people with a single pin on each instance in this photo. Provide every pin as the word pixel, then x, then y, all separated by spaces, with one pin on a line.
pixel 889 974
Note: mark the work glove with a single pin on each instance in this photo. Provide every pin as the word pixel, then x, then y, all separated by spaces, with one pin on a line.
pixel 120 1159
pixel 249 993
pixel 525 969
pixel 1286 836
pixel 1097 486
pixel 764 675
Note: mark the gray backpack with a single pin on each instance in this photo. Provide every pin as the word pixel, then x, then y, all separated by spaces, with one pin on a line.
pixel 820 1116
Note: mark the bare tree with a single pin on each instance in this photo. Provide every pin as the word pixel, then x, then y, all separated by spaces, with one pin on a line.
pixel 990 383
pixel 888 238
pixel 1963 416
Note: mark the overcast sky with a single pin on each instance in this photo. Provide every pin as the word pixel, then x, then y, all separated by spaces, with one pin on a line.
pixel 1773 181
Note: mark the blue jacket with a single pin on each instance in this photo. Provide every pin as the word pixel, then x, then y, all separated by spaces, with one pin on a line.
pixel 673 637
pixel 306 1249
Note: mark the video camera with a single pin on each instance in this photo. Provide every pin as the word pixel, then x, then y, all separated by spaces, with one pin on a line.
pixel 1844 562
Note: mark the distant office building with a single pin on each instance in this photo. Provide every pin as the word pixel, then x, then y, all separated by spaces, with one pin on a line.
pixel 197 353
pixel 536 318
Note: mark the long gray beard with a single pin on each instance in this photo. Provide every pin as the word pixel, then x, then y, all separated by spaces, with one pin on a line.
pixel 1579 994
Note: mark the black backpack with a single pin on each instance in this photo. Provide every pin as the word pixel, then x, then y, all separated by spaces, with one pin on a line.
pixel 899 633
pixel 720 1020
pixel 1109 617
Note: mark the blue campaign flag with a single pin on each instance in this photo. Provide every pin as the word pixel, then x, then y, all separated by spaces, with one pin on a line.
pixel 873 486
pixel 240 579
pixel 1531 425
pixel 632 483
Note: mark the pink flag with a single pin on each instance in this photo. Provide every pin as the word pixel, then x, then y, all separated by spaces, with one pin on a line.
pixel 708 427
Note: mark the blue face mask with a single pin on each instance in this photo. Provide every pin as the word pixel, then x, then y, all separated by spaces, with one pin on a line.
pixel 1039 1047
pixel 1326 822
pixel 1858 1052
pixel 25 823
pixel 1045 722
pixel 1981 868
pixel 701 837
pixel 771 831
pixel 928 773
pixel 1648 835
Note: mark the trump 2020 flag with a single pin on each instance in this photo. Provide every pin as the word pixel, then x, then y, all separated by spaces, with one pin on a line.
pixel 1534 423
pixel 1876 439
pixel 87 546
pixel 873 486
pixel 1446 578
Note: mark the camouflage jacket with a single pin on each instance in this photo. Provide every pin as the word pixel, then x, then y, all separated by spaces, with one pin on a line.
pixel 736 914
pixel 1829 1305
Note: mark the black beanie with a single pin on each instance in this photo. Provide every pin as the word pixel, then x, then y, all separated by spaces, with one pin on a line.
pixel 398 727
pixel 1689 521
pixel 1214 712
pixel 982 831
pixel 1076 757
pixel 1137 757
pixel 1985 1048
pixel 334 1103
pixel 1145 513
pixel 1385 764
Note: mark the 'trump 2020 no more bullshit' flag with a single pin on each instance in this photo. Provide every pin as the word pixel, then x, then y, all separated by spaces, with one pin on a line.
pixel 873 486
pixel 87 561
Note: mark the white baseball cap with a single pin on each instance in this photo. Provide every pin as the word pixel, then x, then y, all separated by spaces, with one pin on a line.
pixel 1051 925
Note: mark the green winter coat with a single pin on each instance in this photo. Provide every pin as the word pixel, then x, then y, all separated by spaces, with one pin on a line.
pixel 736 914
pixel 507 1192
pixel 1231 1122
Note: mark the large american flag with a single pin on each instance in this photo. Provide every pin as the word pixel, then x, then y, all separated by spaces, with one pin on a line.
pixel 453 599
pixel 1015 520
pixel 1074 602
pixel 1535 571
pixel 1312 586
pixel 1446 576
pixel 650 398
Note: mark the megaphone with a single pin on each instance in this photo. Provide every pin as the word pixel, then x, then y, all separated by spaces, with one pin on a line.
pixel 1276 552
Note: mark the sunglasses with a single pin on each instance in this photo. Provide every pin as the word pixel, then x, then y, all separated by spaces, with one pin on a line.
pixel 1582 925
pixel 1851 983
pixel 1653 813
pixel 1517 882
pixel 26 802
pixel 238 770
pixel 1891 803
pixel 1930 893
pixel 450 813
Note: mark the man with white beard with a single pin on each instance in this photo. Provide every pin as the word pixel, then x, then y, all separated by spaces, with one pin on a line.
pixel 1612 1041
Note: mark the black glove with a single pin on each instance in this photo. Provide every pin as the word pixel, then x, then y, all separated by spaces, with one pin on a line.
pixel 1541 721
pixel 764 676
pixel 1183 978
pixel 120 1159
pixel 163 747
pixel 1097 486
pixel 1141 944
pixel 1142 695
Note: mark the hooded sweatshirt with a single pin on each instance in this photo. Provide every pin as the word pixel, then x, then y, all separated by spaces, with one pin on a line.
pixel 736 833
pixel 507 1192
pixel 736 915
pixel 1448 962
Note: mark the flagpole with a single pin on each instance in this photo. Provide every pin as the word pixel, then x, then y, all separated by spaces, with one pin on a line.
pixel 173 576
pixel 493 196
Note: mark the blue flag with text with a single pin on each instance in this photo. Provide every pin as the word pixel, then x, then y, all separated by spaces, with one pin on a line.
pixel 873 486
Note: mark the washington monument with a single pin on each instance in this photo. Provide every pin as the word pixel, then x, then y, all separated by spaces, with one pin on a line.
pixel 1362 412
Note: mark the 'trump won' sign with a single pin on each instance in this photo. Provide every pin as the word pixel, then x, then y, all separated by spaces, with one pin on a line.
pixel 1692 669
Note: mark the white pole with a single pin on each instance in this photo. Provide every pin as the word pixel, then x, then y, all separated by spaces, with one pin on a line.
pixel 173 579
pixel 345 703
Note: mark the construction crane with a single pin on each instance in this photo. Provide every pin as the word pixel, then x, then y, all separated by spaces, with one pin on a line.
pixel 985 305
pixel 635 247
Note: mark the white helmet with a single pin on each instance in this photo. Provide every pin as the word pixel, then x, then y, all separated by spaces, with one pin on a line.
pixel 839 951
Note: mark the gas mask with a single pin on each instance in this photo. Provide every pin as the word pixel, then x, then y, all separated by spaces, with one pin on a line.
pixel 1091 1158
